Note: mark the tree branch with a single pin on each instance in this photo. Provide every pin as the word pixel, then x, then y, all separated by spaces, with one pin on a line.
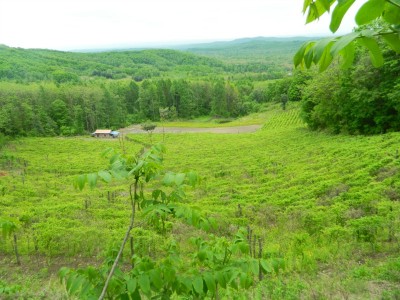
pixel 121 249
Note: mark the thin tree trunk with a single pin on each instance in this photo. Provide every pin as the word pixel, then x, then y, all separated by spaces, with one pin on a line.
pixel 121 249
pixel 16 250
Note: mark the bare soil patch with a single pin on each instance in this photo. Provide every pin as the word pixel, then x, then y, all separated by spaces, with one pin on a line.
pixel 226 130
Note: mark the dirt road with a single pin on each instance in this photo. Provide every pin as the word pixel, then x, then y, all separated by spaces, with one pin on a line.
pixel 236 129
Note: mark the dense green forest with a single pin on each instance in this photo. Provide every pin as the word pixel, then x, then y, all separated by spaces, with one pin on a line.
pixel 74 93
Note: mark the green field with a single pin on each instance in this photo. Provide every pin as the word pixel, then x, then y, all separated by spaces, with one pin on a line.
pixel 327 205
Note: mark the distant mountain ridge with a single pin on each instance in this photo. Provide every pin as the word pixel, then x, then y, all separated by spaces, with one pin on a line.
pixel 268 55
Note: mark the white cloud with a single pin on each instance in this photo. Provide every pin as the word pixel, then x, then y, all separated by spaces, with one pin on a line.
pixel 95 23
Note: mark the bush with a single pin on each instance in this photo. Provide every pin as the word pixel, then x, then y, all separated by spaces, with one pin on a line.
pixel 148 126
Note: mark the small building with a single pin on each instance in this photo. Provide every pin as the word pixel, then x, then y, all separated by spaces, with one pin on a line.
pixel 102 133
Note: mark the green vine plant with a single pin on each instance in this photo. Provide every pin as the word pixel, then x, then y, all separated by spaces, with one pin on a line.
pixel 215 265
pixel 9 229
pixel 385 13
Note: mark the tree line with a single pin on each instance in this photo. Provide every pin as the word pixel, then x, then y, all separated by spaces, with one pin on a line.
pixel 48 108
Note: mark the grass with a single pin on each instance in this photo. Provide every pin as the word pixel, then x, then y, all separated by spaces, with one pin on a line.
pixel 269 111
pixel 329 205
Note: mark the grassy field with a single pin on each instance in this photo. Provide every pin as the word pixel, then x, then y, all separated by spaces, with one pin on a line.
pixel 328 205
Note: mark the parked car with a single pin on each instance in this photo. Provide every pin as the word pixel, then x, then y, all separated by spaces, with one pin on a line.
pixel 114 134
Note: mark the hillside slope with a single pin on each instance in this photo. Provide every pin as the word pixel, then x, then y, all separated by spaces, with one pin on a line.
pixel 37 64
pixel 327 207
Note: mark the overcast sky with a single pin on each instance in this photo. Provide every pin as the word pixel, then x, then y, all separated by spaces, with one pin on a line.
pixel 85 24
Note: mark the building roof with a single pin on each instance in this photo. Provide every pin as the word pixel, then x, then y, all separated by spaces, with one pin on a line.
pixel 103 131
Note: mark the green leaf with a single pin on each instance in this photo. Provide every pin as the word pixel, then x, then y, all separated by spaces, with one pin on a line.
pixel 375 52
pixel 326 4
pixel 326 59
pixel 298 57
pixel 186 284
pixel 156 280
pixel 320 48
pixel 202 255
pixel 198 285
pixel 131 285
pixel 391 13
pixel 348 54
pixel 254 266
pixel 371 10
pixel 137 167
pixel 8 228
pixel 193 178
pixel 92 180
pixel 316 9
pixel 265 266
pixel 393 40
pixel 308 58
pixel 62 273
pixel 221 279
pixel 80 181
pixel 74 284
pixel 210 282
pixel 136 295
pixel 312 13
pixel 338 13
pixel 245 281
pixel 306 4
pixel 144 284
pixel 169 178
pixel 107 152
pixel 105 175
pixel 179 178
pixel 343 41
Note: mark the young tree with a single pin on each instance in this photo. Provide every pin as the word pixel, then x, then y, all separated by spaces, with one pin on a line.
pixel 322 52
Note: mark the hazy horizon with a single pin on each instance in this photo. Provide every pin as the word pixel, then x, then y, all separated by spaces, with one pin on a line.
pixel 97 24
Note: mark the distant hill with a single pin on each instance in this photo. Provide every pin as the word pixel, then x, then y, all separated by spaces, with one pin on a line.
pixel 259 53
pixel 39 64
pixel 270 57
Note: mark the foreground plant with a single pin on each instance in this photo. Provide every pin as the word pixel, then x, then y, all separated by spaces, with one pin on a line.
pixel 322 52
pixel 216 263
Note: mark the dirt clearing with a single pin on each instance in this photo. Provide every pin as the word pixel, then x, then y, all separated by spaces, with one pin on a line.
pixel 236 129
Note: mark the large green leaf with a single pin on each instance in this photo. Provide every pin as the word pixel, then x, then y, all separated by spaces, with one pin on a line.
pixel 308 57
pixel 298 57
pixel 156 280
pixel 131 285
pixel 391 13
pixel 144 284
pixel 375 52
pixel 179 178
pixel 306 4
pixel 312 13
pixel 348 54
pixel 370 11
pixel 338 13
pixel 254 266
pixel 210 282
pixel 326 59
pixel 198 285
pixel 105 175
pixel 92 180
pixel 343 41
pixel 80 181
pixel 320 47
pixel 393 40
pixel 326 4
pixel 317 9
